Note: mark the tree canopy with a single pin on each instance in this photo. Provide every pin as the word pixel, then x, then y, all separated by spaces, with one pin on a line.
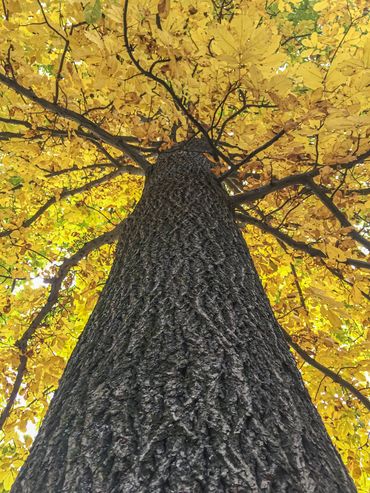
pixel 91 92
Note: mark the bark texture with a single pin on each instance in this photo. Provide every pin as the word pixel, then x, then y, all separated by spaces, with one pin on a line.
pixel 182 380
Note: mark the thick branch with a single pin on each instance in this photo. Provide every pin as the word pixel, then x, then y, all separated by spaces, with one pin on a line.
pixel 273 186
pixel 12 135
pixel 297 245
pixel 113 140
pixel 305 179
pixel 344 222
pixel 359 191
pixel 302 178
pixel 58 132
pixel 56 284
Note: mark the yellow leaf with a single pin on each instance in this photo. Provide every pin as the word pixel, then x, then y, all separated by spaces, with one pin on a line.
pixel 335 253
pixel 163 8
pixel 332 317
pixel 321 5
pixel 366 54
pixel 311 75
pixel 356 294
pixel 94 37
pixel 8 480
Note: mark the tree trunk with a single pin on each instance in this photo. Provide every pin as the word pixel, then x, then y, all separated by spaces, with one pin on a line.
pixel 182 380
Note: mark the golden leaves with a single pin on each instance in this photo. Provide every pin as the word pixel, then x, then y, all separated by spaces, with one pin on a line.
pixel 243 42
pixel 311 75
pixel 321 5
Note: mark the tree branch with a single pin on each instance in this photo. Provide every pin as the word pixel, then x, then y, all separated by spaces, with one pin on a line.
pixel 5 136
pixel 56 284
pixel 99 165
pixel 297 245
pixel 273 186
pixel 58 132
pixel 358 191
pixel 298 286
pixel 115 141
pixel 305 179
pixel 16 386
pixel 169 89
pixel 5 9
pixel 66 193
pixel 344 222
pixel 248 157
pixel 326 371
pixel 302 179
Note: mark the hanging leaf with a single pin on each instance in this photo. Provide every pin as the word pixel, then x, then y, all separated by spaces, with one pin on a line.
pixel 93 12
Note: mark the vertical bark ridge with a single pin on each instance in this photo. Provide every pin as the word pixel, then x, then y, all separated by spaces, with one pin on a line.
pixel 182 380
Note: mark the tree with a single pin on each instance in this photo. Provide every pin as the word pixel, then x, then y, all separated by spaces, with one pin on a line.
pixel 235 115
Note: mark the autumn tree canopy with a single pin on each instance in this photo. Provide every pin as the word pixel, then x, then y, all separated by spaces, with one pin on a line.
pixel 91 92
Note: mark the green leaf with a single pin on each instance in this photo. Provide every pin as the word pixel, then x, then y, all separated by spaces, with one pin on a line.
pixel 93 12
pixel 15 180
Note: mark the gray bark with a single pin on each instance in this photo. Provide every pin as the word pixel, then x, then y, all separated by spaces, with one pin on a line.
pixel 182 380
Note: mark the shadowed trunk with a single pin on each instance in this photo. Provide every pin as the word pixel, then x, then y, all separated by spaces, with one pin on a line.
pixel 182 381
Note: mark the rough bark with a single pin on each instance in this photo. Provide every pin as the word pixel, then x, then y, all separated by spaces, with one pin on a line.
pixel 182 380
